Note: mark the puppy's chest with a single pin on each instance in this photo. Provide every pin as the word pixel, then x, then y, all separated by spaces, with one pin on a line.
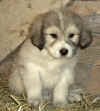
pixel 50 75
pixel 51 72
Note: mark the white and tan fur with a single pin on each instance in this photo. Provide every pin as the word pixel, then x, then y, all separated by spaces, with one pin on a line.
pixel 38 69
pixel 39 64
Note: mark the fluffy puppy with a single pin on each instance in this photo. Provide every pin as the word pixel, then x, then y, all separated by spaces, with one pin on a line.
pixel 47 59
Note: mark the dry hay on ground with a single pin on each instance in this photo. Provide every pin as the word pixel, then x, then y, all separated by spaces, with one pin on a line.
pixel 11 102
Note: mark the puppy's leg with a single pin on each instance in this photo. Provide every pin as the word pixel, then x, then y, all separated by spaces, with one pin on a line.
pixel 60 94
pixel 61 90
pixel 32 84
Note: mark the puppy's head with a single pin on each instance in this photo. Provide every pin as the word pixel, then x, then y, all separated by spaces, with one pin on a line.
pixel 61 32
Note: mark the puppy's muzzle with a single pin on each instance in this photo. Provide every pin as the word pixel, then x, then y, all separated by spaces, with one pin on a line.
pixel 63 52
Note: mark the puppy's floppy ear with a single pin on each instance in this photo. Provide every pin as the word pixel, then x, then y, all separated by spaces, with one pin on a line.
pixel 36 32
pixel 86 38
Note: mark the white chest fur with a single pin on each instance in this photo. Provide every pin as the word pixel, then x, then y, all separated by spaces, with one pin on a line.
pixel 51 71
pixel 37 69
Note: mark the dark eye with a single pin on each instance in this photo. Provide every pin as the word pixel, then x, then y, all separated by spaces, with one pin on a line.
pixel 71 35
pixel 53 35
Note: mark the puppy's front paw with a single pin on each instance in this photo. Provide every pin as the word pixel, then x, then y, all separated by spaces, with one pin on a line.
pixel 34 101
pixel 61 103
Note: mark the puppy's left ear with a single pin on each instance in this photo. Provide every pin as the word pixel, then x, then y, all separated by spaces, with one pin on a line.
pixel 86 38
pixel 36 32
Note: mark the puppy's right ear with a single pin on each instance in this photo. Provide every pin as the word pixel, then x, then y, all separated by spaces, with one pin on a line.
pixel 36 32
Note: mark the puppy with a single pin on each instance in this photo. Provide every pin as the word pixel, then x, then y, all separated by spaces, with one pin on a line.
pixel 48 57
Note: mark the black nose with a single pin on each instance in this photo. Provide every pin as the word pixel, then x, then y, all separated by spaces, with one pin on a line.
pixel 63 51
